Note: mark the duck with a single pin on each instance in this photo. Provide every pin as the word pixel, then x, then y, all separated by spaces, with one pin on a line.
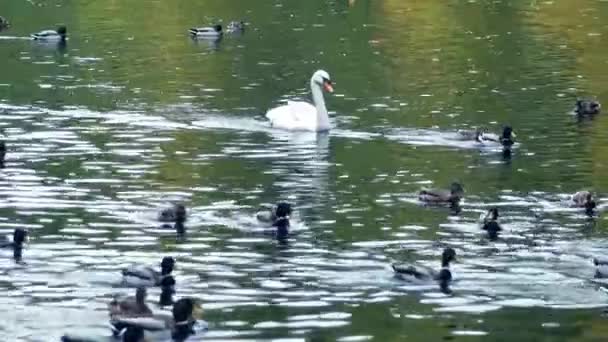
pixel 584 199
pixel 490 223
pixel 4 24
pixel 144 276
pixel 419 273
pixel 19 238
pixel 2 153
pixel 235 27
pixel 51 35
pixel 180 323
pixel 278 211
pixel 131 307
pixel 175 213
pixel 587 107
pixel 206 32
pixel 474 135
pixel 303 116
pixel 453 195
pixel 507 139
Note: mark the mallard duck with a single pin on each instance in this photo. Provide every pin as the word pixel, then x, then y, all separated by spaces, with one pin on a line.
pixel 276 214
pixel 130 307
pixel 19 238
pixel 206 32
pixel 235 27
pixel 470 135
pixel 51 35
pixel 453 195
pixel 584 199
pixel 490 224
pixel 180 323
pixel 2 153
pixel 175 213
pixel 145 276
pixel 507 139
pixel 4 24
pixel 419 273
pixel 587 107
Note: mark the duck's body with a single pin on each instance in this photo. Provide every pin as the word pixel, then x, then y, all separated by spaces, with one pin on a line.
pixel 130 307
pixel 145 276
pixel 453 195
pixel 303 116
pixel 51 35
pixel 491 225
pixel 506 139
pixel 206 32
pixel 584 199
pixel 469 135
pixel 601 267
pixel 180 323
pixel 587 107
pixel 277 211
pixel 422 274
pixel 16 244
pixel 175 213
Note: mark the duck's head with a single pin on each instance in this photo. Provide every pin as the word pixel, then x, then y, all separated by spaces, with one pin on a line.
pixel 321 78
pixel 185 311
pixel 167 265
pixel 180 212
pixel 508 136
pixel 448 255
pixel 62 31
pixel 217 28
pixel 456 189
pixel 590 204
pixel 587 107
pixel 283 209
pixel 19 236
pixel 140 295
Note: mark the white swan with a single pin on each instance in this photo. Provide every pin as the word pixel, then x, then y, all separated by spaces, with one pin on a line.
pixel 302 116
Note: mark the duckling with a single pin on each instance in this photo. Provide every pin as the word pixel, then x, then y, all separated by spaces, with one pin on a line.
pixel 276 214
pixel 507 139
pixel 19 237
pixel 490 224
pixel 235 27
pixel 584 199
pixel 4 24
pixel 206 32
pixel 51 35
pixel 419 273
pixel 587 107
pixel 144 276
pixel 453 195
pixel 180 323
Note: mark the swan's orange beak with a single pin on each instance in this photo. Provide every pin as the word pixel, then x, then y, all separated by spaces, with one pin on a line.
pixel 328 86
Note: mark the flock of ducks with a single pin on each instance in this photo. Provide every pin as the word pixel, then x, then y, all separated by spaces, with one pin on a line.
pixel 131 317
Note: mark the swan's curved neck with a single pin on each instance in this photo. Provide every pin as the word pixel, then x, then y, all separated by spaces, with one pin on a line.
pixel 319 101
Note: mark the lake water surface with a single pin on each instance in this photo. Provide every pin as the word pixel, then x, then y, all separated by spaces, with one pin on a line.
pixel 132 115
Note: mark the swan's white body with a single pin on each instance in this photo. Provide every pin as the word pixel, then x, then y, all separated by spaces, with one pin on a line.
pixel 303 116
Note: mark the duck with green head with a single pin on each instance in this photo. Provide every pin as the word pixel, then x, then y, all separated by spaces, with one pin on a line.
pixel 421 274
pixel 453 195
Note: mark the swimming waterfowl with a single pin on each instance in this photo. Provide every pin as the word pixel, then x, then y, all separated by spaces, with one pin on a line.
pixel 180 323
pixel 303 116
pixel 2 153
pixel 453 195
pixel 507 139
pixel 490 224
pixel 470 135
pixel 419 273
pixel 144 276
pixel 19 237
pixel 130 307
pixel 584 199
pixel 51 35
pixel 587 107
pixel 235 27
pixel 281 210
pixel 175 213
pixel 206 32
pixel 4 24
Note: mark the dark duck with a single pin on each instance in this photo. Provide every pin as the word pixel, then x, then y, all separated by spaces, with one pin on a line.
pixel 584 199
pixel 419 273
pixel 176 214
pixel 277 216
pixel 587 107
pixel 490 224
pixel 19 238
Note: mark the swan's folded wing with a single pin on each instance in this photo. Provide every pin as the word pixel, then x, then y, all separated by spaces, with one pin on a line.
pixel 293 115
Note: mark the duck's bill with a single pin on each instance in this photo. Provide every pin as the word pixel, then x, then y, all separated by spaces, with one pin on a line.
pixel 328 86
pixel 197 312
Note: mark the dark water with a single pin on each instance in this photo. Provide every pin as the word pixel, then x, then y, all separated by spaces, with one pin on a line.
pixel 132 115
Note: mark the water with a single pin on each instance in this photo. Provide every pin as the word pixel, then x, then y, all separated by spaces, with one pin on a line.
pixel 132 115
